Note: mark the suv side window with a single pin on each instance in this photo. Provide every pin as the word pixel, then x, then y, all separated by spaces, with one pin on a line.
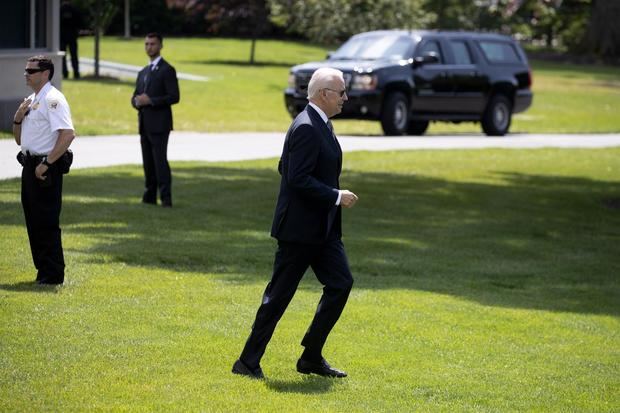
pixel 431 46
pixel 461 52
pixel 499 52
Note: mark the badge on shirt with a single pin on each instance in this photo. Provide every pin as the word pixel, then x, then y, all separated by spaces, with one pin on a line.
pixel 53 104
pixel 35 106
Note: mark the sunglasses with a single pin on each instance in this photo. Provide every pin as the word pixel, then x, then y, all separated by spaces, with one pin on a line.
pixel 340 92
pixel 33 71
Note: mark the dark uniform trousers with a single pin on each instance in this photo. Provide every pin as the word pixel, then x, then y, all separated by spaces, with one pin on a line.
pixel 156 167
pixel 331 267
pixel 72 45
pixel 42 201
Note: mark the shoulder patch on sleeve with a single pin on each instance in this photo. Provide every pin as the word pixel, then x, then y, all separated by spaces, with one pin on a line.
pixel 52 104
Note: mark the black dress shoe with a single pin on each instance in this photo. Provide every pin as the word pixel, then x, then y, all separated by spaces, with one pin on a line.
pixel 166 204
pixel 49 282
pixel 240 368
pixel 321 368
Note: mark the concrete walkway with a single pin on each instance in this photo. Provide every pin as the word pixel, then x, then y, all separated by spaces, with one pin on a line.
pixel 121 70
pixel 185 146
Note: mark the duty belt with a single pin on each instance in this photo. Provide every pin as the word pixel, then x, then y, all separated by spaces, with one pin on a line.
pixel 28 158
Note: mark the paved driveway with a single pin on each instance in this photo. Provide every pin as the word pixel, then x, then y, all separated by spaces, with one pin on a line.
pixel 185 146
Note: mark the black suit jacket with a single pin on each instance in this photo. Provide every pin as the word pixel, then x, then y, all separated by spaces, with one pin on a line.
pixel 310 166
pixel 162 86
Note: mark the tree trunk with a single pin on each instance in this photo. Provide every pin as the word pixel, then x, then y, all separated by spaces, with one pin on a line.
pixel 252 49
pixel 97 29
pixel 127 20
pixel 97 36
pixel 604 32
pixel 258 14
pixel 549 36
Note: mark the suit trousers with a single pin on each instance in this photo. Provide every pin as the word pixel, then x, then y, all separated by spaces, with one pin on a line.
pixel 156 168
pixel 41 202
pixel 73 50
pixel 330 265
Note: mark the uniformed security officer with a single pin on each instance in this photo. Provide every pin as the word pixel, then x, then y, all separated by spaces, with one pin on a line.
pixel 42 126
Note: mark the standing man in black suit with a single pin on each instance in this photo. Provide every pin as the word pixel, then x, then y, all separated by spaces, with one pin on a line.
pixel 70 25
pixel 157 88
pixel 307 225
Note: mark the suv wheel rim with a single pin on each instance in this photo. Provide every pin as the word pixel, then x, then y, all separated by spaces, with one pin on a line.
pixel 500 116
pixel 400 115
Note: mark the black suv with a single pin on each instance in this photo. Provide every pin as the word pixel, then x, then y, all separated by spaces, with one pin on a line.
pixel 407 78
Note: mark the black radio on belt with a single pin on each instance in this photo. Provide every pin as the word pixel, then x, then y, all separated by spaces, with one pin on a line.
pixel 21 158
pixel 64 162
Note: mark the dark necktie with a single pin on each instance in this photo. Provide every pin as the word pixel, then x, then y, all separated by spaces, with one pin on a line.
pixel 331 128
pixel 147 75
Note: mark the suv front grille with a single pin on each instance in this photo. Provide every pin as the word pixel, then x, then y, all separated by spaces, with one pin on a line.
pixel 303 78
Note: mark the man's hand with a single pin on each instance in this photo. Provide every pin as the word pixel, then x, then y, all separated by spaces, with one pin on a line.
pixel 40 171
pixel 21 111
pixel 347 198
pixel 142 100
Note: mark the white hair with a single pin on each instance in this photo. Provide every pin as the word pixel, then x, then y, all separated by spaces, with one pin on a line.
pixel 321 78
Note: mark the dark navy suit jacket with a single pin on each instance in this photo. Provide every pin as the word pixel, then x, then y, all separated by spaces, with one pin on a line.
pixel 310 166
pixel 162 86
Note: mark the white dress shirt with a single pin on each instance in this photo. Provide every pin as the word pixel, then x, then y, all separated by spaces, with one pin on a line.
pixel 154 62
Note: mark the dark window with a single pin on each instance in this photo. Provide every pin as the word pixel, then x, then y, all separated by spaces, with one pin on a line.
pixel 499 52
pixel 15 25
pixel 431 46
pixel 40 26
pixel 461 52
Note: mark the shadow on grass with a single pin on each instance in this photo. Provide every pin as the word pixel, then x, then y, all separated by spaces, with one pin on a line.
pixel 525 241
pixel 102 79
pixel 244 63
pixel 307 385
pixel 31 286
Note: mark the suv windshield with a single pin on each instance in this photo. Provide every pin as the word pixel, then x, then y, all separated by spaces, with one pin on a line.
pixel 374 48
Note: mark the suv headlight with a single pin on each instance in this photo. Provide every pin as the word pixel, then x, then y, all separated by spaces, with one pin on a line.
pixel 364 82
pixel 291 80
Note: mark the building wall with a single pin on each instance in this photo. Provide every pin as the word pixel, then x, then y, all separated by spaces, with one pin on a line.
pixel 13 87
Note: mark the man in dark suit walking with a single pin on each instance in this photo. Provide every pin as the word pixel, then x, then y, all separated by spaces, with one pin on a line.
pixel 157 88
pixel 307 225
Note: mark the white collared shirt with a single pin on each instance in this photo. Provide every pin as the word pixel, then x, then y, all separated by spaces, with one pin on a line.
pixel 49 112
pixel 319 111
pixel 325 119
pixel 154 62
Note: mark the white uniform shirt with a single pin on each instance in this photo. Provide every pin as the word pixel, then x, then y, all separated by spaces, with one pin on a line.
pixel 49 112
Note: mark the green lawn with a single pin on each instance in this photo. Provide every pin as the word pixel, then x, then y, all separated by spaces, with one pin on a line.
pixel 486 280
pixel 238 97
pixel 567 98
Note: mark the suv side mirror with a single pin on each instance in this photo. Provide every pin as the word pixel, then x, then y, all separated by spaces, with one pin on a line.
pixel 426 58
pixel 329 55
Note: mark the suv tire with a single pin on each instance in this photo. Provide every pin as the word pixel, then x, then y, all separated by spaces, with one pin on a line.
pixel 417 127
pixel 497 117
pixel 395 114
